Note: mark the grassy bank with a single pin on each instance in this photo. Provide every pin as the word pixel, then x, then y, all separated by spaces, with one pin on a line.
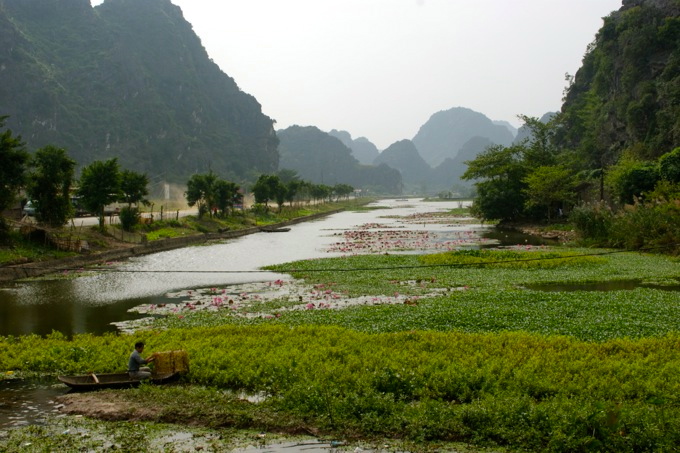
pixel 35 248
pixel 472 356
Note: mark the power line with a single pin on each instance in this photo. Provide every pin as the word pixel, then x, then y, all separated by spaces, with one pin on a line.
pixel 354 269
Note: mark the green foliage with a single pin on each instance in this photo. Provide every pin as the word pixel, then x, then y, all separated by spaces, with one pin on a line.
pixel 162 107
pixel 129 218
pixel 99 185
pixel 227 195
pixel 494 364
pixel 549 187
pixel 499 172
pixel 592 221
pixel 49 185
pixel 516 389
pixel 631 180
pixel 647 225
pixel 669 166
pixel 510 258
pixel 201 192
pixel 499 199
pixel 626 92
pixel 133 188
pixel 651 225
pixel 14 158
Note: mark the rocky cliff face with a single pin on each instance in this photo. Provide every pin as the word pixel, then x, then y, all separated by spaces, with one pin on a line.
pixel 626 95
pixel 127 79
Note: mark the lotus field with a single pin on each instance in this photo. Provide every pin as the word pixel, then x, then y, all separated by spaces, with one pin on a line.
pixel 455 346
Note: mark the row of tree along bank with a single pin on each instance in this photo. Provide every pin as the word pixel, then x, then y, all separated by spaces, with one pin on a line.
pixel 46 178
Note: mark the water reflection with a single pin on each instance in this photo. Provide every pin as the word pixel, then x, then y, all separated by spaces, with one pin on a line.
pixel 27 402
pixel 91 302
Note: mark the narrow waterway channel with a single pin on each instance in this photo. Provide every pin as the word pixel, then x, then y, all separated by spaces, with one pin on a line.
pixel 93 300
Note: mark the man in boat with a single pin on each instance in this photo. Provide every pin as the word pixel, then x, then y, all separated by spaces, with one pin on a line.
pixel 135 368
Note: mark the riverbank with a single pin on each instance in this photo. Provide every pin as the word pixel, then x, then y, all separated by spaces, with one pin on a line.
pixel 111 249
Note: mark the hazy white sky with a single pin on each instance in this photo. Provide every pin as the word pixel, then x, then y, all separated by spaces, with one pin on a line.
pixel 381 68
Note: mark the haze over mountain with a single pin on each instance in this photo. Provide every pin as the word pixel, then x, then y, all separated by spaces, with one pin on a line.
pixel 127 79
pixel 446 131
pixel 321 158
pixel 404 157
pixel 362 148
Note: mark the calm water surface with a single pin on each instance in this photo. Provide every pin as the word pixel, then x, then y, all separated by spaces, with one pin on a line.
pixel 92 302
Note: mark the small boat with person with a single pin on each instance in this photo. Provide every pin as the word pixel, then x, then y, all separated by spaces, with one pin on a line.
pixel 94 381
pixel 167 367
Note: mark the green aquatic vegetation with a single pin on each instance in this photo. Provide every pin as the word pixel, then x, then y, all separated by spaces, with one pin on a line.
pixel 511 258
pixel 528 391
pixel 485 361
pixel 373 274
pixel 586 315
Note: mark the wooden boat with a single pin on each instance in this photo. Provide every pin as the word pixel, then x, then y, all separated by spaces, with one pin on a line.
pixel 112 380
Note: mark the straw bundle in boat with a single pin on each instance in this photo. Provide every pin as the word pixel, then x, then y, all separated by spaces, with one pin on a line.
pixel 171 362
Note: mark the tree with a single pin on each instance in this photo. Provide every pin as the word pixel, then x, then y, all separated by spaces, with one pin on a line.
pixel 99 186
pixel 549 188
pixel 293 188
pixel 49 185
pixel 134 188
pixel 14 158
pixel 669 166
pixel 261 190
pixel 201 192
pixel 500 172
pixel 630 179
pixel 269 187
pixel 540 149
pixel 226 195
pixel 342 190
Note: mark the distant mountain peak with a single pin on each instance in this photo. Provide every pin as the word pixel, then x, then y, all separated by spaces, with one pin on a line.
pixel 444 134
pixel 362 148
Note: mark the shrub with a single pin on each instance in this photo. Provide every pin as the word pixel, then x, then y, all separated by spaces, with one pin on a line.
pixel 592 221
pixel 129 218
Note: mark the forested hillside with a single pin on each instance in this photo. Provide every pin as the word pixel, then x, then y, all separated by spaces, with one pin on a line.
pixel 626 95
pixel 127 79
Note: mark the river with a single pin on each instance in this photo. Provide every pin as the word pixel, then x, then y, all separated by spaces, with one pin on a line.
pixel 95 299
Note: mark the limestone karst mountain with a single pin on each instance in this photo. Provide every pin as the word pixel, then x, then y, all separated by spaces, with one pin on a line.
pixel 321 158
pixel 445 133
pixel 362 148
pixel 127 79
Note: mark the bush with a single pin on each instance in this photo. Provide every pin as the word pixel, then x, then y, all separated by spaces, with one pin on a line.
pixel 592 221
pixel 647 225
pixel 129 218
